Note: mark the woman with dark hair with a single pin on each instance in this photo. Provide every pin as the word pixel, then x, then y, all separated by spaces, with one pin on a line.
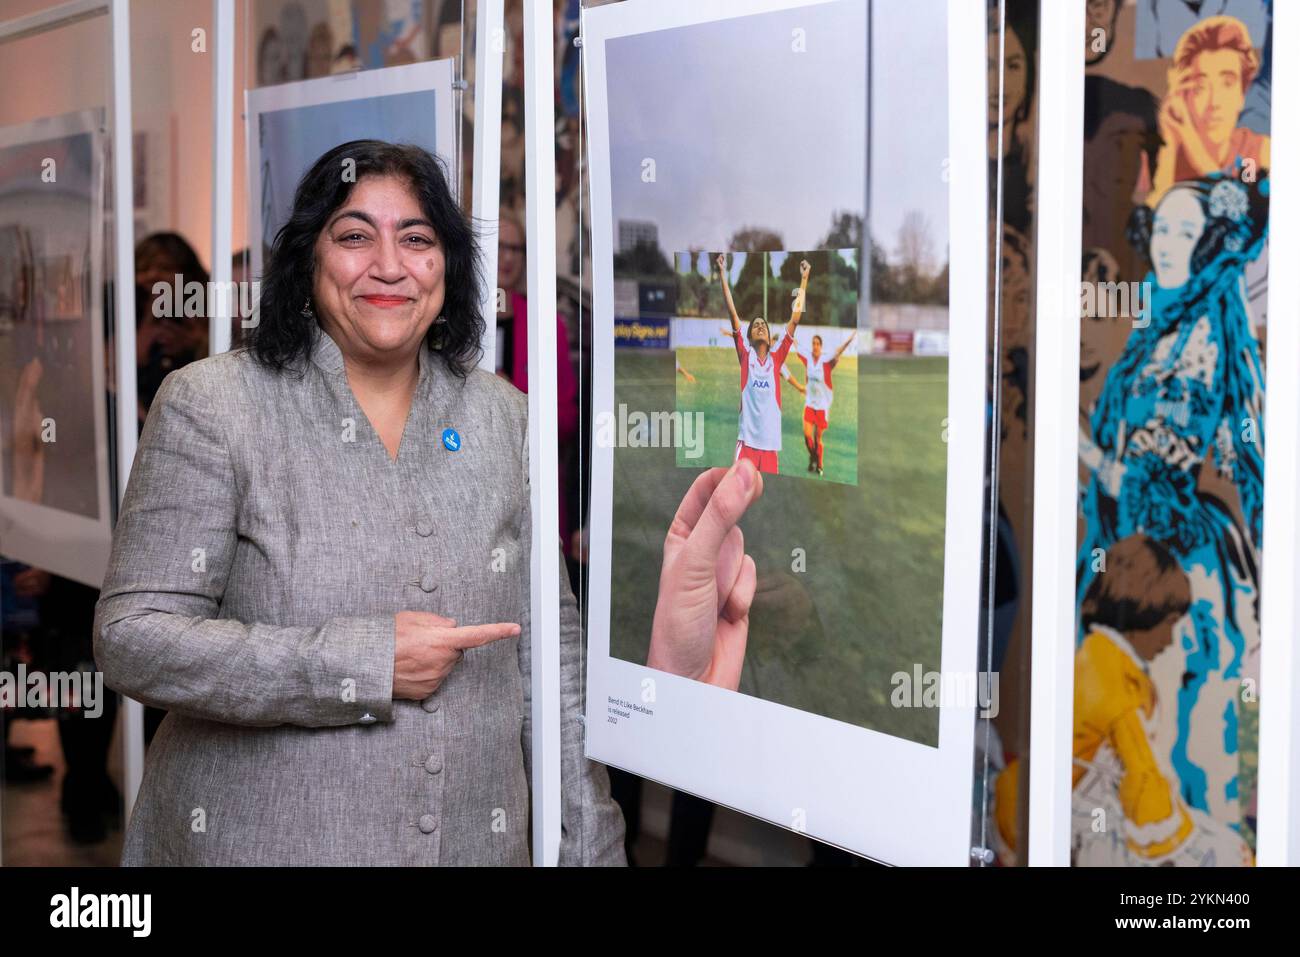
pixel 321 565
pixel 512 352
pixel 1177 454
pixel 1012 119
pixel 166 335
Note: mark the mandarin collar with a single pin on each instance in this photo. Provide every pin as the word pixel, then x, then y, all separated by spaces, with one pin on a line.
pixel 326 356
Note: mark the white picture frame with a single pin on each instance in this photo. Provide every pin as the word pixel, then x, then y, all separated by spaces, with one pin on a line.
pixel 433 77
pixel 872 793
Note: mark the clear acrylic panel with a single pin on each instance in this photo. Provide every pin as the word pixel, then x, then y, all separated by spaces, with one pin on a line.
pixel 1012 124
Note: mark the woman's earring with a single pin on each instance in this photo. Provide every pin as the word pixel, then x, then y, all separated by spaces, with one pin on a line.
pixel 307 312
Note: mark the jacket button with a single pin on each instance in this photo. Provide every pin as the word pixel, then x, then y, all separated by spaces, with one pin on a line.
pixel 433 765
pixel 428 583
pixel 429 705
pixel 428 824
pixel 424 528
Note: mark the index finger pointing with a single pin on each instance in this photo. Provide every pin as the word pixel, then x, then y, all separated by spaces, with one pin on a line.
pixel 475 636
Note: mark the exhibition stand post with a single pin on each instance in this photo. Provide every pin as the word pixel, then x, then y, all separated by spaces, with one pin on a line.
pixel 221 309
pixel 1056 429
pixel 124 335
pixel 539 130
pixel 489 54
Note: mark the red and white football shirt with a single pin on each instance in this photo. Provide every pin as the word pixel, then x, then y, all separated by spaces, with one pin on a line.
pixel 760 394
pixel 819 395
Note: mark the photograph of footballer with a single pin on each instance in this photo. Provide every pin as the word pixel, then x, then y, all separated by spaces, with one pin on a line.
pixel 744 368
pixel 818 394
pixel 769 203
pixel 767 291
pixel 760 376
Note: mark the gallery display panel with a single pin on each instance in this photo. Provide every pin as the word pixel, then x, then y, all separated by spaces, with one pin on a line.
pixel 290 125
pixel 55 496
pixel 820 667
pixel 1153 251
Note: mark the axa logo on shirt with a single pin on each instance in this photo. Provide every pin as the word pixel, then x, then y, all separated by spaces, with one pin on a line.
pixel 760 384
pixel 102 910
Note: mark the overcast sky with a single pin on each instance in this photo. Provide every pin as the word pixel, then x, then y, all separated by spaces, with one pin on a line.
pixel 909 120
pixel 746 132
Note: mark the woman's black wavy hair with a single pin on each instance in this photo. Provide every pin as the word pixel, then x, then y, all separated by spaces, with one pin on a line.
pixel 284 334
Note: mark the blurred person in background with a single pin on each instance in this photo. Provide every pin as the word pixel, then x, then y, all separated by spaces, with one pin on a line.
pixel 165 337
pixel 19 618
pixel 58 637
pixel 512 355
pixel 241 271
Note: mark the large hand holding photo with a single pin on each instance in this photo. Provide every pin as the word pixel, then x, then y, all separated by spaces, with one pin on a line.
pixel 701 621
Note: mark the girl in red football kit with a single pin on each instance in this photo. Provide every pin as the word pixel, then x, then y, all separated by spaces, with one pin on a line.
pixel 760 376
pixel 818 396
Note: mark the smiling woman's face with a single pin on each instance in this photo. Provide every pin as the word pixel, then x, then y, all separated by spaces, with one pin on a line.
pixel 379 272
pixel 1178 225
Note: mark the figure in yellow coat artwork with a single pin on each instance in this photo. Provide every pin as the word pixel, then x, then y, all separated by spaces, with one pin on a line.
pixel 1126 806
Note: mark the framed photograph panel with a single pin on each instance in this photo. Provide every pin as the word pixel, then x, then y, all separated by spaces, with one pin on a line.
pixel 788 261
pixel 292 124
pixel 54 458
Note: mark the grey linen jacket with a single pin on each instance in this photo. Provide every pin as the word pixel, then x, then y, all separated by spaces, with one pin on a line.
pixel 265 543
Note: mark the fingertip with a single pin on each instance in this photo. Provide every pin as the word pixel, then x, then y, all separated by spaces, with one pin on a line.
pixel 746 474
pixel 748 575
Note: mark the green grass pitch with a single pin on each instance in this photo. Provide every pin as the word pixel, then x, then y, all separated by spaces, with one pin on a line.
pixel 867 602
pixel 716 393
